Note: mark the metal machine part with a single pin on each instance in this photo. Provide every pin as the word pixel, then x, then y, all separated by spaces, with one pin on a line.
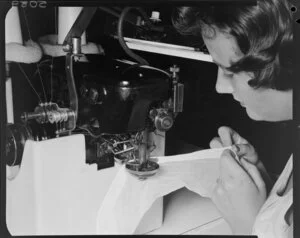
pixel 142 171
pixel 16 136
pixel 118 96
pixel 49 112
pixel 110 148
pixel 121 146
pixel 163 118
pixel 78 27
pixel 178 89
pixel 142 167
pixel 52 113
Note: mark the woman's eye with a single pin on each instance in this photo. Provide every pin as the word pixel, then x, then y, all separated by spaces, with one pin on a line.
pixel 228 74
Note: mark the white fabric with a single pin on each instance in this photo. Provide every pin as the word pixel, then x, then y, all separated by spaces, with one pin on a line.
pixel 52 48
pixel 270 222
pixel 29 53
pixel 128 198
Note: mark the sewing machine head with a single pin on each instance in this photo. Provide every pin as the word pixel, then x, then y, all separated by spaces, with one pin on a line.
pixel 115 103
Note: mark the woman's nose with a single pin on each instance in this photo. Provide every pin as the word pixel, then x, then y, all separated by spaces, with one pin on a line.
pixel 223 84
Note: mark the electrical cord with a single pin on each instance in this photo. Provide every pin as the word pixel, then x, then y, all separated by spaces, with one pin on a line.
pixel 122 42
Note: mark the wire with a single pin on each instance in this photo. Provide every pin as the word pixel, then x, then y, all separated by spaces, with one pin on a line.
pixel 52 59
pixel 38 69
pixel 43 62
pixel 90 133
pixel 28 80
pixel 157 69
pixel 122 42
pixel 56 23
pixel 51 80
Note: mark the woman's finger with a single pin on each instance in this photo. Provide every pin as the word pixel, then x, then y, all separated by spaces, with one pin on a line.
pixel 254 173
pixel 246 151
pixel 230 165
pixel 216 143
pixel 230 136
pixel 225 135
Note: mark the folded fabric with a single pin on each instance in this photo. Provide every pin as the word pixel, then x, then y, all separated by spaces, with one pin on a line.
pixel 50 47
pixel 129 198
pixel 28 53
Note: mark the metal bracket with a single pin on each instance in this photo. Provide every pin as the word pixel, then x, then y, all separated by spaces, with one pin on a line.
pixel 78 27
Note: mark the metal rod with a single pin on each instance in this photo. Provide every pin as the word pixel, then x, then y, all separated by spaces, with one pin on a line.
pixel 143 147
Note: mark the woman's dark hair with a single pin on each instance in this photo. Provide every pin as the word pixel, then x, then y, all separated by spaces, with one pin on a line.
pixel 263 32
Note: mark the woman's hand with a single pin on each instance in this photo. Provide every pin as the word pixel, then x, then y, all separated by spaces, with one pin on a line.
pixel 229 137
pixel 242 148
pixel 239 193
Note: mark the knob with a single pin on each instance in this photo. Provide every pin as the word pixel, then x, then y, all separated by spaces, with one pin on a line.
pixel 174 69
pixel 163 121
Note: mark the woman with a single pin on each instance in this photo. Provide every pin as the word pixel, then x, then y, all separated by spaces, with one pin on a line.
pixel 252 47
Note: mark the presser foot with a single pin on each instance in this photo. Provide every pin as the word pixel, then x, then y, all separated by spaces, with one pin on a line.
pixel 142 171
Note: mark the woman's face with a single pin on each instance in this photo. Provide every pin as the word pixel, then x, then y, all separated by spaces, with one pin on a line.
pixel 261 104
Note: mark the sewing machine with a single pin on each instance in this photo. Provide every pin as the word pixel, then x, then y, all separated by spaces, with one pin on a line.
pixel 104 112
pixel 115 102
